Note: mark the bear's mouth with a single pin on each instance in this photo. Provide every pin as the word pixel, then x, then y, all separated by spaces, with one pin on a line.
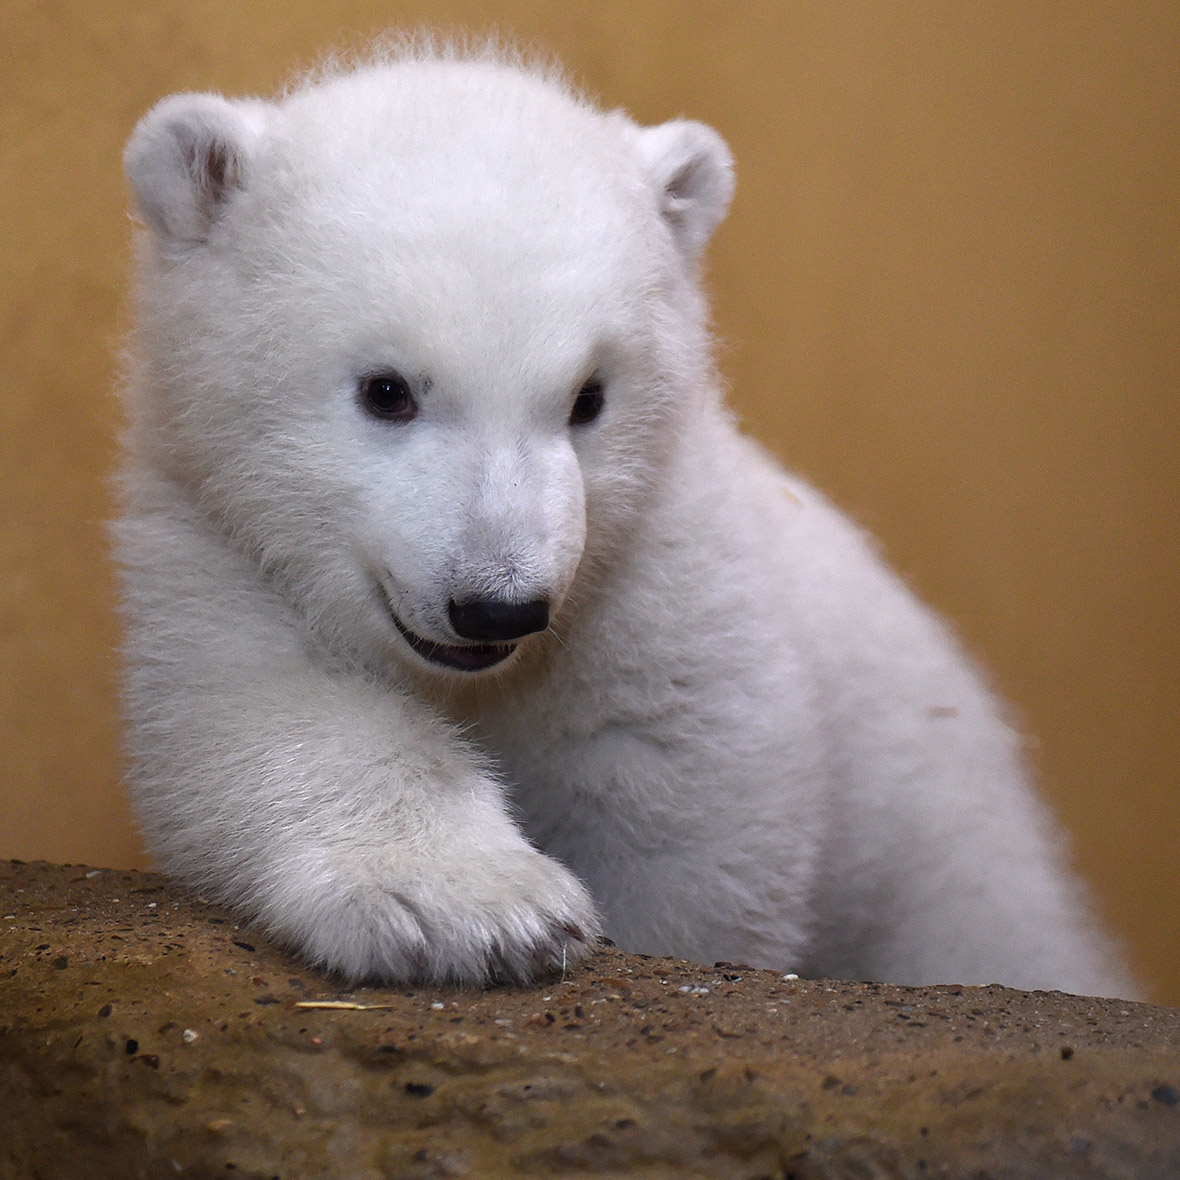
pixel 467 657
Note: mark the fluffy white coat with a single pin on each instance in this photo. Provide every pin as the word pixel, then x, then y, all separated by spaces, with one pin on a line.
pixel 739 737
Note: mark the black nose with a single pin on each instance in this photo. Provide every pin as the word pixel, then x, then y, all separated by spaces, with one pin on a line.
pixel 492 620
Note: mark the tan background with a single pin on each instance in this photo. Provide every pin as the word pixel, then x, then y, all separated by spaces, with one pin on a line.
pixel 950 292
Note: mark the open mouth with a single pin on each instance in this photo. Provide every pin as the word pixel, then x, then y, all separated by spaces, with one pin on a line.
pixel 467 657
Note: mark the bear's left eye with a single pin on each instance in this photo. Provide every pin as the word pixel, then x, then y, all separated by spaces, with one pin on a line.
pixel 589 402
pixel 388 396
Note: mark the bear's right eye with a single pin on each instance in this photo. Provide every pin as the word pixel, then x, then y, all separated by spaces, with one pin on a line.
pixel 388 396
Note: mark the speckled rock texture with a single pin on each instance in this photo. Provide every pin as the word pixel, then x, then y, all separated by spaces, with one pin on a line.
pixel 145 1034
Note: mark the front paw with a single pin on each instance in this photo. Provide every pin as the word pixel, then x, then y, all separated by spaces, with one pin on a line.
pixel 509 914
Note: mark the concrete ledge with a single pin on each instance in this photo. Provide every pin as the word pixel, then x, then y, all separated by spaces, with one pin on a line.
pixel 144 1034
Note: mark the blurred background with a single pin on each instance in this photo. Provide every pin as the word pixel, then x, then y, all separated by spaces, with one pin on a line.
pixel 948 293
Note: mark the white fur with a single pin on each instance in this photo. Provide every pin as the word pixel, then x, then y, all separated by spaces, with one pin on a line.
pixel 740 737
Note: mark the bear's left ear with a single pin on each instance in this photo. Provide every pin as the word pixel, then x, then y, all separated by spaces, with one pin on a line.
pixel 691 170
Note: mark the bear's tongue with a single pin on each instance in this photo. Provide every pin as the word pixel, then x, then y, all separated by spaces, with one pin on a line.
pixel 468 658
pixel 465 659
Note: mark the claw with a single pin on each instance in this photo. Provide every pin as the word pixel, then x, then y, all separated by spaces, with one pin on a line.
pixel 575 932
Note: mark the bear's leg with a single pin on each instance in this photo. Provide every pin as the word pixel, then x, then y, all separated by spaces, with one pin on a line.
pixel 345 816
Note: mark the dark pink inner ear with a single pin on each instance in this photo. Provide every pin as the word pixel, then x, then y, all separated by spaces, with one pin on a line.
pixel 683 186
pixel 214 168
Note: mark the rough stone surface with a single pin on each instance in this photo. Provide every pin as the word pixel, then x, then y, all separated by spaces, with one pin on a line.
pixel 145 1034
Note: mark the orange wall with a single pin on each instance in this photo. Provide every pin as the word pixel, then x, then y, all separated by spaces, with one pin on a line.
pixel 950 292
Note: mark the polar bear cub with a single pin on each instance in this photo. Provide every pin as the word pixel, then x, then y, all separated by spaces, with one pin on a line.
pixel 464 626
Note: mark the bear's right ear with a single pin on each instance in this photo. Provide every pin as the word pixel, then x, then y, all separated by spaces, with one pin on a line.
pixel 187 157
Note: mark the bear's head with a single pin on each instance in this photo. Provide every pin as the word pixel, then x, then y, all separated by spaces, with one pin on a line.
pixel 421 337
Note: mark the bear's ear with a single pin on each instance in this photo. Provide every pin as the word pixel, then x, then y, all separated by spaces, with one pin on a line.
pixel 691 169
pixel 187 157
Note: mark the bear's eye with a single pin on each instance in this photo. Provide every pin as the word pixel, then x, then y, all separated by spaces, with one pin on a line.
pixel 588 404
pixel 388 396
